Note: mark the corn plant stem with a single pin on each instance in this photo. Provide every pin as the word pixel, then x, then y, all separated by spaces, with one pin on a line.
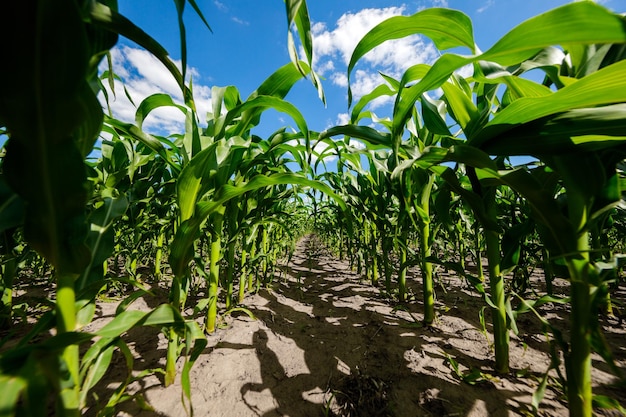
pixel 264 246
pixel 214 269
pixel 66 322
pixel 479 258
pixel 403 268
pixel 365 247
pixel 609 306
pixel 578 362
pixel 359 262
pixel 461 249
pixel 386 267
pixel 428 291
pixel 350 251
pixel 178 296
pixel 341 251
pixel 252 276
pixel 243 276
pixel 171 357
pixel 230 257
pixel 159 255
pixel 374 255
pixel 547 270
pixel 9 267
pixel 496 283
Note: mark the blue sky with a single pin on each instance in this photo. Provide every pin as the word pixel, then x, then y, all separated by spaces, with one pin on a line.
pixel 249 42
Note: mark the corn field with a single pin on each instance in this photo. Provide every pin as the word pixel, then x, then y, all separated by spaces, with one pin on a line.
pixel 507 185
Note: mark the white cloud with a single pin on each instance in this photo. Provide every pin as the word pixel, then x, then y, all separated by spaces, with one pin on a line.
pixel 366 81
pixel 340 79
pixel 221 6
pixel 325 67
pixel 392 57
pixel 485 6
pixel 343 119
pixel 425 4
pixel 240 21
pixel 143 75
pixel 357 144
pixel 439 3
pixel 350 28
pixel 466 71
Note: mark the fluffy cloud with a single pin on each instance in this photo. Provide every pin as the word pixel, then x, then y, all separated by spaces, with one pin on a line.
pixel 342 119
pixel 143 75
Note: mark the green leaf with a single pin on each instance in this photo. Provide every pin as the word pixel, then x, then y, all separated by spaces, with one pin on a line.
pixel 164 314
pixel 189 182
pixel 539 393
pixel 511 244
pixel 195 344
pixel 379 91
pixel 153 102
pixel 260 104
pixel 460 106
pixel 588 129
pixel 471 198
pixel 602 401
pixel 603 87
pixel 433 112
pixel 12 388
pixel 96 370
pixel 443 203
pixel 53 117
pixel 279 83
pixel 101 237
pixel 11 207
pixel 152 142
pixel 102 15
pixel 544 208
pixel 365 133
pixel 582 22
pixel 199 13
pixel 298 14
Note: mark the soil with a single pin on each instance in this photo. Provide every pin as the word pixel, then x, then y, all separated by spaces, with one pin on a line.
pixel 327 342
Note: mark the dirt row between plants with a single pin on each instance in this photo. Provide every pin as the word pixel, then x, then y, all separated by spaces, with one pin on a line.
pixel 327 343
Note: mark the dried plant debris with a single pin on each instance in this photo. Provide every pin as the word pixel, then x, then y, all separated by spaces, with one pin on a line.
pixel 359 395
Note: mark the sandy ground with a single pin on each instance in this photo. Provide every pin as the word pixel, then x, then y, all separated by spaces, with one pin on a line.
pixel 327 343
